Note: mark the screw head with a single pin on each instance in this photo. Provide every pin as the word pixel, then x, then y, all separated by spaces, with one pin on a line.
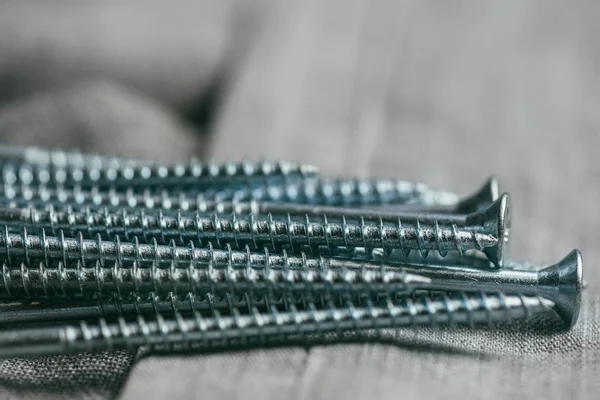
pixel 562 283
pixel 495 220
pixel 481 199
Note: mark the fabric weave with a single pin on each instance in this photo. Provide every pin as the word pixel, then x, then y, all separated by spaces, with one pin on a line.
pixel 447 94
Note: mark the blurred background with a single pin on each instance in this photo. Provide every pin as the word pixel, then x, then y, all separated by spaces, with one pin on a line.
pixel 446 93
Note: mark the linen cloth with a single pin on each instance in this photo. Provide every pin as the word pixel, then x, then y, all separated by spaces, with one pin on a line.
pixel 444 93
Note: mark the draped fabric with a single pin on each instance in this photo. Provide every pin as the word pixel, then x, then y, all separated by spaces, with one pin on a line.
pixel 444 93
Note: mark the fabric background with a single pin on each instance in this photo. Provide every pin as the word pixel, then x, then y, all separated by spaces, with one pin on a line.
pixel 445 93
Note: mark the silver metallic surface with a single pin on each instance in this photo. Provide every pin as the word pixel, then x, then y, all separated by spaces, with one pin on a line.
pixel 477 201
pixel 60 159
pixel 60 198
pixel 181 175
pixel 133 304
pixel 239 253
pixel 305 191
pixel 345 192
pixel 562 283
pixel 224 272
pixel 486 231
pixel 147 268
pixel 102 335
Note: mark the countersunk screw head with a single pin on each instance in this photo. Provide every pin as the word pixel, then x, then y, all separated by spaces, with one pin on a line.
pixel 481 199
pixel 562 283
pixel 495 219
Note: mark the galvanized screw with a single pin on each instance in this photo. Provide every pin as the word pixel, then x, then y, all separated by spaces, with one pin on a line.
pixel 262 273
pixel 59 159
pixel 134 304
pixel 561 283
pixel 478 201
pixel 307 191
pixel 41 196
pixel 193 175
pixel 485 230
pixel 464 309
pixel 344 192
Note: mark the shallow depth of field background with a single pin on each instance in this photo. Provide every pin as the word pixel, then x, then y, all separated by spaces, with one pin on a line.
pixel 441 92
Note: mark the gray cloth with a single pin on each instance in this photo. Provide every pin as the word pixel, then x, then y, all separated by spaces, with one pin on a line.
pixel 442 93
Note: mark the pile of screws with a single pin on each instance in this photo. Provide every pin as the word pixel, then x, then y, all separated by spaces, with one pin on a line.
pixel 101 253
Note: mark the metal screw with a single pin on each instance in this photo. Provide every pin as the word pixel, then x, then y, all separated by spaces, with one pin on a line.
pixel 60 198
pixel 561 283
pixel 307 191
pixel 478 201
pixel 41 196
pixel 259 273
pixel 134 304
pixel 464 309
pixel 52 159
pixel 346 192
pixel 193 175
pixel 486 231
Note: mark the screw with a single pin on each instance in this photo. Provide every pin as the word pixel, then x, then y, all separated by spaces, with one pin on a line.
pixel 225 271
pixel 481 199
pixel 64 199
pixel 193 175
pixel 53 159
pixel 59 198
pixel 21 196
pixel 344 192
pixel 485 230
pixel 463 309
pixel 307 191
pixel 478 201
pixel 134 304
pixel 561 283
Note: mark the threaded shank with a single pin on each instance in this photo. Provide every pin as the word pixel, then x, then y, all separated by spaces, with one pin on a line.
pixel 262 326
pixel 406 234
pixel 305 191
pixel 194 174
pixel 74 279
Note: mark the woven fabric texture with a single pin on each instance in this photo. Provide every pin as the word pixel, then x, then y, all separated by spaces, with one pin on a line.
pixel 436 92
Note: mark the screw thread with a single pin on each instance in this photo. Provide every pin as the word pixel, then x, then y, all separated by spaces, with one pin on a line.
pixel 75 279
pixel 348 192
pixel 94 199
pixel 306 191
pixel 262 326
pixel 134 304
pixel 193 174
pixel 406 233
pixel 53 159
